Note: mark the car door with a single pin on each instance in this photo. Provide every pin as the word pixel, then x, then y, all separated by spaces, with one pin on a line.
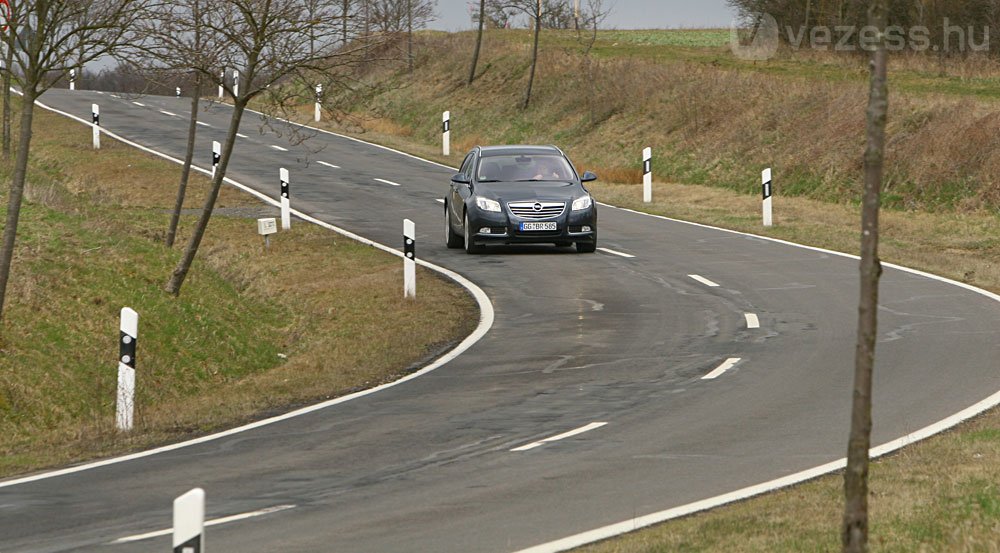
pixel 459 191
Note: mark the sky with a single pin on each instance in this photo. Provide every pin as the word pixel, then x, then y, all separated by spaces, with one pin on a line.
pixel 626 14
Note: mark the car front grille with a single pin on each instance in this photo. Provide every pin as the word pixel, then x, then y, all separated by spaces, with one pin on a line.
pixel 537 210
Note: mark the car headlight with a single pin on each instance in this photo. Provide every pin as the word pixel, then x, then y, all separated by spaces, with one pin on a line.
pixel 487 204
pixel 582 203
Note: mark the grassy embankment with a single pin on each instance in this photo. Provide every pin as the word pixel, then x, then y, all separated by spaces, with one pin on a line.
pixel 252 333
pixel 714 122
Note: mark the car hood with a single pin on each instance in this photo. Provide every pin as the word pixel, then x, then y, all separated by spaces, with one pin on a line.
pixel 530 191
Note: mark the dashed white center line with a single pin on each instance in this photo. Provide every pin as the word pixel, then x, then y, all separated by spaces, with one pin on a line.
pixel 279 148
pixel 241 135
pixel 562 436
pixel 215 522
pixel 140 104
pixel 328 164
pixel 730 363
pixel 203 124
pixel 613 252
pixel 388 182
pixel 168 113
pixel 101 93
pixel 704 281
pixel 752 320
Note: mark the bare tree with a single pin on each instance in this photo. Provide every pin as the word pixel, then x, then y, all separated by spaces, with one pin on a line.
pixel 586 36
pixel 268 42
pixel 855 524
pixel 533 9
pixel 49 36
pixel 8 68
pixel 479 41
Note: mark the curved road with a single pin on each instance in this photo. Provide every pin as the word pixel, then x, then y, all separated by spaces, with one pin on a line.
pixel 440 463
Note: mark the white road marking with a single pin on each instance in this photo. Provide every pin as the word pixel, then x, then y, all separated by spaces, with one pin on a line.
pixel 730 363
pixel 168 113
pixel 203 124
pixel 752 320
pixel 562 436
pixel 704 281
pixel 388 182
pixel 215 522
pixel 613 252
pixel 101 93
pixel 140 104
pixel 440 200
pixel 328 164
pixel 241 135
pixel 279 148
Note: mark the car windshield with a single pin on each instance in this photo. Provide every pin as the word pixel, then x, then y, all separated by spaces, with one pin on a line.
pixel 522 168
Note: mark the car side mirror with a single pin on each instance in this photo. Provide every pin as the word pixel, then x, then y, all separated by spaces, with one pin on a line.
pixel 460 178
pixel 588 176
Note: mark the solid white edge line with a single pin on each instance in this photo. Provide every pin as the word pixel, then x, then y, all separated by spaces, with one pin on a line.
pixel 627 526
pixel 214 522
pixel 563 436
pixel 388 182
pixel 888 447
pixel 440 200
pixel 139 104
pixel 721 369
pixel 704 281
pixel 241 135
pixel 203 124
pixel 328 164
pixel 613 252
pixel 279 148
pixel 165 112
pixel 486 318
pixel 752 320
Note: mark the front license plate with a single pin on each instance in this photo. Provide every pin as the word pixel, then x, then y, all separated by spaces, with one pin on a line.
pixel 538 226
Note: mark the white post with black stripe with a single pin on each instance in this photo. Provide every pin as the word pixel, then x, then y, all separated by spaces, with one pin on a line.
pixel 189 522
pixel 319 102
pixel 446 133
pixel 222 80
pixel 236 83
pixel 216 155
pixel 128 334
pixel 72 79
pixel 647 175
pixel 286 208
pixel 409 259
pixel 178 91
pixel 95 114
pixel 768 191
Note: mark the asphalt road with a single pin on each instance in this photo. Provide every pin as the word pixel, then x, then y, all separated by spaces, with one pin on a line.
pixel 578 339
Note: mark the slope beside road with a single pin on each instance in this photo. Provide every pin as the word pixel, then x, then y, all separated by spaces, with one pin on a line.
pixel 443 462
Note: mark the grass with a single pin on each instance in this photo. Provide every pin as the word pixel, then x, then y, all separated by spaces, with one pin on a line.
pixel 252 333
pixel 711 120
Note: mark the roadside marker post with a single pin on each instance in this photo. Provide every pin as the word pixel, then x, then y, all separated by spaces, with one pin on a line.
pixel 222 79
pixel 236 83
pixel 72 79
pixel 446 133
pixel 768 191
pixel 95 114
pixel 286 208
pixel 178 91
pixel 189 522
pixel 409 259
pixel 128 335
pixel 319 101
pixel 647 175
pixel 216 155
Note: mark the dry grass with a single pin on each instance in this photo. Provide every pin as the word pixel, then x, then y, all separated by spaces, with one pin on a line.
pixel 210 358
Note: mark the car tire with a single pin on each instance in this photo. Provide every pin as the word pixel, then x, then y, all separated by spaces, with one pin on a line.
pixel 470 247
pixel 587 247
pixel 451 238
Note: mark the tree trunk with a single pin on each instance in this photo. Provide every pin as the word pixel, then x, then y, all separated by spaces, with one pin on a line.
pixel 188 158
pixel 534 55
pixel 8 69
pixel 173 287
pixel 479 41
pixel 16 194
pixel 855 524
pixel 409 33
pixel 343 30
pixel 808 10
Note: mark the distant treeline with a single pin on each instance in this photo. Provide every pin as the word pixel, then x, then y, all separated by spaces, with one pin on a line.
pixel 952 27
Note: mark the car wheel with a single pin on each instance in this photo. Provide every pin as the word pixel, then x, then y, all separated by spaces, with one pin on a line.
pixel 587 247
pixel 470 247
pixel 451 238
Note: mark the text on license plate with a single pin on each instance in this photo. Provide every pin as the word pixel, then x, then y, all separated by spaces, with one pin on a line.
pixel 539 226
